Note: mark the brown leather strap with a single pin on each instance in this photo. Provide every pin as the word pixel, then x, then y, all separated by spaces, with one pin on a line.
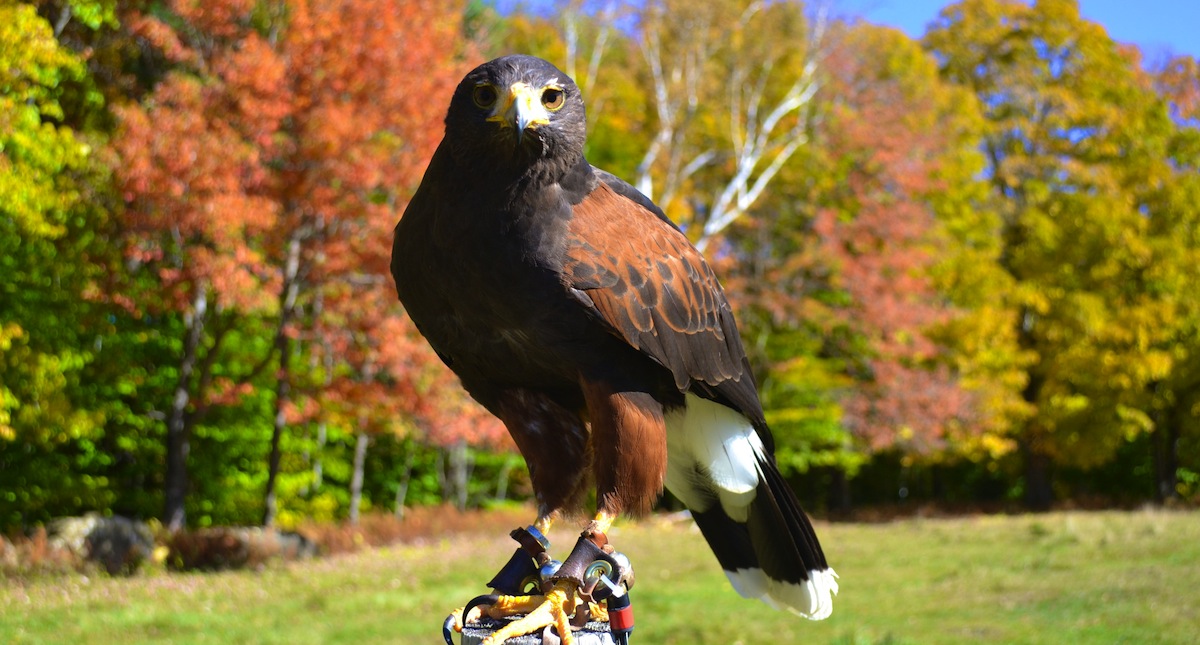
pixel 585 552
pixel 589 548
pixel 523 563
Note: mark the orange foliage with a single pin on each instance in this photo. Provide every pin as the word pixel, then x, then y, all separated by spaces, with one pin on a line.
pixel 310 130
pixel 1179 82
pixel 881 237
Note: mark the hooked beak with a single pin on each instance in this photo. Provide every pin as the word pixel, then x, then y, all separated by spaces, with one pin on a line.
pixel 520 109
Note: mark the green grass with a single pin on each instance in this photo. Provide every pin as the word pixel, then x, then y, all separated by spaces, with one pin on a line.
pixel 1109 577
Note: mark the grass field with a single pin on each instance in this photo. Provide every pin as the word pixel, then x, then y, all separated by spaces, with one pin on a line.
pixel 1108 577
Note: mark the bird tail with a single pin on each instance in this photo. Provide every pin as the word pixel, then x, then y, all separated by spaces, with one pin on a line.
pixel 746 511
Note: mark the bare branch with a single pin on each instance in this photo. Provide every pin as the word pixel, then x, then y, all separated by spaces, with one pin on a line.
pixel 685 47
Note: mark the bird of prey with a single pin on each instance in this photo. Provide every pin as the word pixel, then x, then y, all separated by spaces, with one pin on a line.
pixel 572 308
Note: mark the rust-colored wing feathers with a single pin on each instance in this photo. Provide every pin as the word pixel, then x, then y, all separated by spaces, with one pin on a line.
pixel 654 289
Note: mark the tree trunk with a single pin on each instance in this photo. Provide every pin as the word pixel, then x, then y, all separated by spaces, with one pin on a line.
pixel 839 491
pixel 1039 492
pixel 502 479
pixel 405 479
pixel 459 458
pixel 439 465
pixel 937 484
pixel 356 479
pixel 283 385
pixel 174 515
pixel 282 392
pixel 178 424
pixel 326 356
pixel 318 466
pixel 1166 460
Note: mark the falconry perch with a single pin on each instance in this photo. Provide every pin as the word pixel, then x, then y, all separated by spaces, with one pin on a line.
pixel 576 312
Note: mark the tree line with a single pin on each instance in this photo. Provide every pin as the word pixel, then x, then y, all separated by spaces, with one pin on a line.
pixel 964 265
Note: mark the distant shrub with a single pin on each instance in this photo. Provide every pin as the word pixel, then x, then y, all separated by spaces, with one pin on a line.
pixel 235 547
pixel 421 523
pixel 36 554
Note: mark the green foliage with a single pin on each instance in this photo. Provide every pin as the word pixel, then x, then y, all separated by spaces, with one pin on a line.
pixel 52 253
pixel 798 395
pixel 94 14
pixel 982 242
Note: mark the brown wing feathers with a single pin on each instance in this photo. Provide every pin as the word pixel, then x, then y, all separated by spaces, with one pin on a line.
pixel 654 289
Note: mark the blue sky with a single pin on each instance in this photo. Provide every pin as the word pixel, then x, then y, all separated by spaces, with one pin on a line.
pixel 1157 26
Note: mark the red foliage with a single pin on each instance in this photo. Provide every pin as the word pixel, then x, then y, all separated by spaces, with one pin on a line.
pixel 195 198
pixel 883 250
pixel 1179 82
pixel 269 167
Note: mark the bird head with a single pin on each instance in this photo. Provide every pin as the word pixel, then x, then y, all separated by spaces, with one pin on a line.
pixel 515 112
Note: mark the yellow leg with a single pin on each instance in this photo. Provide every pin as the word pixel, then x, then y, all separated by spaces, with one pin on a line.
pixel 602 523
pixel 543 523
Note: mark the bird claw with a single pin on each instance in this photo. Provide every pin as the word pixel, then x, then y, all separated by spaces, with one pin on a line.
pixel 449 626
pixel 591 578
pixel 521 575
pixel 475 608
pixel 554 609
pixel 459 618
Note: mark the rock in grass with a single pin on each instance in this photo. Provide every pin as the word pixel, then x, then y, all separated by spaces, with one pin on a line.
pixel 118 544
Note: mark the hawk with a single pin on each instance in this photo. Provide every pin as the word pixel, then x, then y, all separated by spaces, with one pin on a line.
pixel 573 309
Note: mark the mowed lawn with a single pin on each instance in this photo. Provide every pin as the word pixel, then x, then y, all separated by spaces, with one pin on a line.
pixel 1106 577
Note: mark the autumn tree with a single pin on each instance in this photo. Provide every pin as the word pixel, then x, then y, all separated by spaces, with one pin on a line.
pixel 362 123
pixel 730 87
pixel 1175 399
pixel 53 253
pixel 38 194
pixel 197 205
pixel 1073 140
pixel 840 269
pixel 264 173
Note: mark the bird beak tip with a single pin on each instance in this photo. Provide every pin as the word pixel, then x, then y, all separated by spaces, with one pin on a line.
pixel 521 110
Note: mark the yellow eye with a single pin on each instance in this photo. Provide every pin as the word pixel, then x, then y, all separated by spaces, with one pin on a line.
pixel 484 96
pixel 553 98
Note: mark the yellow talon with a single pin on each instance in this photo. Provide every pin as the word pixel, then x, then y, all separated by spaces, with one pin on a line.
pixel 512 605
pixel 456 620
pixel 554 608
pixel 598 612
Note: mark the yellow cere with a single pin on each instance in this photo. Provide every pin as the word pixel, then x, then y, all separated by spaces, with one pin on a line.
pixel 520 107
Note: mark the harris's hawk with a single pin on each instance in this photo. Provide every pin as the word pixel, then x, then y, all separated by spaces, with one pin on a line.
pixel 573 309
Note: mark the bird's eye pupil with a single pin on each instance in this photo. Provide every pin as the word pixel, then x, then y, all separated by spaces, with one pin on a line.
pixel 552 98
pixel 484 96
